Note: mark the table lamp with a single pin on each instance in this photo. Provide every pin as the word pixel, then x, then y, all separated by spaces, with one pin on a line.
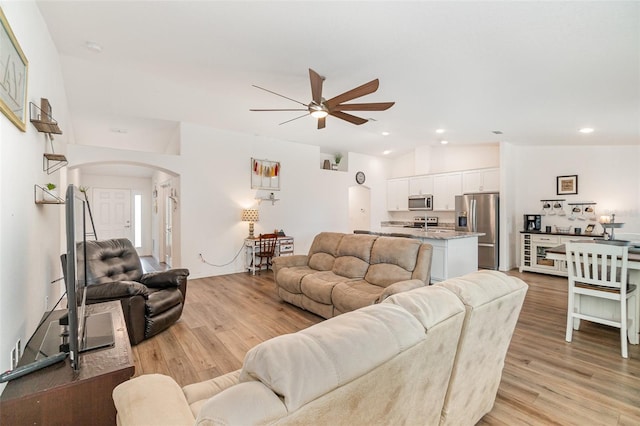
pixel 251 216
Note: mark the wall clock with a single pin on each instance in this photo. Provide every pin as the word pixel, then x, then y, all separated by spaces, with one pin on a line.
pixel 360 178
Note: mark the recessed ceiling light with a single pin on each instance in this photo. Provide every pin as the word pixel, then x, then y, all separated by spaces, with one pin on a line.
pixel 444 142
pixel 386 152
pixel 440 131
pixel 93 46
pixel 385 133
pixel 586 130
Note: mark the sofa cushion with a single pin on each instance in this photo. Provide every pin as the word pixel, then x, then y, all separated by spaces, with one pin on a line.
pixel 323 250
pixel 319 286
pixel 354 254
pixel 290 278
pixel 352 295
pixel 303 366
pixel 392 259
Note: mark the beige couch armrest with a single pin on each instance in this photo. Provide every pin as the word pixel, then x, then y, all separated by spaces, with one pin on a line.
pixel 282 262
pixel 399 287
pixel 247 403
pixel 152 399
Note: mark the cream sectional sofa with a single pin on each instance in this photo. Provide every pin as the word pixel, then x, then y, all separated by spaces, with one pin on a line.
pixel 344 272
pixel 432 355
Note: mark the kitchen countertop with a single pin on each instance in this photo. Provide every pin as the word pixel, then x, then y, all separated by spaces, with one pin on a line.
pixel 570 234
pixel 434 234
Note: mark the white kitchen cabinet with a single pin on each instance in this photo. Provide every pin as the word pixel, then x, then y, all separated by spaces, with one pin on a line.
pixel 398 194
pixel 445 188
pixel 453 258
pixel 482 180
pixel 421 185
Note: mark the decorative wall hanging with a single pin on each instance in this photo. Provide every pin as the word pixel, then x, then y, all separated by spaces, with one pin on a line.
pixel 265 174
pixel 13 76
pixel 567 184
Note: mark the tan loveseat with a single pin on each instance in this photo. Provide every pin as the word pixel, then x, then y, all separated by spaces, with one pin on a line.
pixel 432 355
pixel 344 272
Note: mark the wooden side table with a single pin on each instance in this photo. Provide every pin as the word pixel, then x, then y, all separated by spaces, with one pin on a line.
pixel 56 395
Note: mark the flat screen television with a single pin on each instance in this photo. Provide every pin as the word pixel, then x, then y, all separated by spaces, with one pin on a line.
pixel 71 330
pixel 84 332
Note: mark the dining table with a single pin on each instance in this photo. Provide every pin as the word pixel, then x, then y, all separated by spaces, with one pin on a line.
pixel 605 308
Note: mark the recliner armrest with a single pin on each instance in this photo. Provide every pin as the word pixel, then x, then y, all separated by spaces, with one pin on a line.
pixel 164 279
pixel 115 290
pixel 399 287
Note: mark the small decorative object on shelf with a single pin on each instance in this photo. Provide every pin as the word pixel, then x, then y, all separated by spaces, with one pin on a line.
pixel 42 119
pixel 48 194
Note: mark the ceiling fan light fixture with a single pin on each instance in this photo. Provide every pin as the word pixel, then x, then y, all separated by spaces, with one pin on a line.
pixel 319 113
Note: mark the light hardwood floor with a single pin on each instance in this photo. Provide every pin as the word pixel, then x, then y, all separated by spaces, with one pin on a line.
pixel 546 381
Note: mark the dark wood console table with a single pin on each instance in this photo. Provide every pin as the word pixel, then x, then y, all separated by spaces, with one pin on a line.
pixel 56 395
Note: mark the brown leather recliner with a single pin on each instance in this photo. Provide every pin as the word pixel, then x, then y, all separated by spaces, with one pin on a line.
pixel 151 302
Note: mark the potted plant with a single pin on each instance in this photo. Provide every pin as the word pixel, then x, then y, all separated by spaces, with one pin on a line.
pixel 50 193
pixel 338 157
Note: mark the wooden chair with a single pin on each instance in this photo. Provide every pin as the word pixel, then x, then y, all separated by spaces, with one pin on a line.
pixel 600 271
pixel 266 250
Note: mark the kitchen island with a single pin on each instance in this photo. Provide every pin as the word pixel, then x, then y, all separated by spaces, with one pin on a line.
pixel 454 253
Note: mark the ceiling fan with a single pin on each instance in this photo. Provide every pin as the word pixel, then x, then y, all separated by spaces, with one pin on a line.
pixel 320 107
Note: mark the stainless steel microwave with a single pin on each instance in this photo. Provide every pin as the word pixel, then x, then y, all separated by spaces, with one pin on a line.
pixel 421 202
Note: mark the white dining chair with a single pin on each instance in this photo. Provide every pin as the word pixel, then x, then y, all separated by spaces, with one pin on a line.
pixel 600 271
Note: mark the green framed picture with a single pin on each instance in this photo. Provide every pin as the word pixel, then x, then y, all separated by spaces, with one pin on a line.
pixel 13 76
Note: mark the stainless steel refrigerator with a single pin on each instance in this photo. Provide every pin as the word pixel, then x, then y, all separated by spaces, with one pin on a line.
pixel 481 213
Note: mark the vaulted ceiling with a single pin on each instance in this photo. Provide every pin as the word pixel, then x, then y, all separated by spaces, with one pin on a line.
pixel 534 71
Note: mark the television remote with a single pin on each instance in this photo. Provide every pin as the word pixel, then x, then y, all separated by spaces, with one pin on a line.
pixel 31 367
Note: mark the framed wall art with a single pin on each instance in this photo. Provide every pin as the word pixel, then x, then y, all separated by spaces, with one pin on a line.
pixel 13 76
pixel 567 185
pixel 265 174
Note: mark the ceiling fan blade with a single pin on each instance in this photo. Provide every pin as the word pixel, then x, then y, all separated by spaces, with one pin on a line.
pixel 316 86
pixel 322 122
pixel 348 117
pixel 365 89
pixel 288 121
pixel 374 106
pixel 286 109
pixel 278 94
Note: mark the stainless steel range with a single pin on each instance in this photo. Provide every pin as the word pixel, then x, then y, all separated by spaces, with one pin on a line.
pixel 421 222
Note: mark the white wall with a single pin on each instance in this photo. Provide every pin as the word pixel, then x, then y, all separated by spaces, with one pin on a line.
pixel 30 237
pixel 214 186
pixel 217 187
pixel 607 175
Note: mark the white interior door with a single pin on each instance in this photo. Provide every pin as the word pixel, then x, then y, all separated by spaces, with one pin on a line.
pixel 359 207
pixel 111 209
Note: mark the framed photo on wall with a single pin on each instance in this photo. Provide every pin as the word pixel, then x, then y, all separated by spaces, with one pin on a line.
pixel 567 185
pixel 265 174
pixel 13 76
